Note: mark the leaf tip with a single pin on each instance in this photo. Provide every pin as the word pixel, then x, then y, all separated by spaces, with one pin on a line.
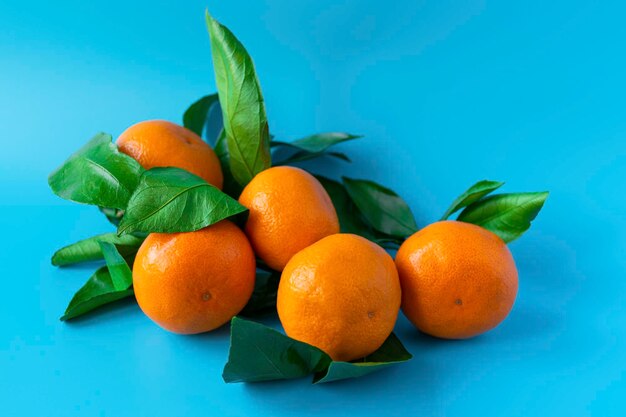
pixel 50 176
pixel 543 196
pixel 54 259
pixel 210 20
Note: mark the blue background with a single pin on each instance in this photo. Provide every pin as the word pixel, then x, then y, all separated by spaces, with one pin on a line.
pixel 446 92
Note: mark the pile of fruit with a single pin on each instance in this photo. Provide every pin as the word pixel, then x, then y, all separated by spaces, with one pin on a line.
pixel 221 229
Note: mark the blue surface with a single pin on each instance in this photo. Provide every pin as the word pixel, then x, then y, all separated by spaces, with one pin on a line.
pixel 532 93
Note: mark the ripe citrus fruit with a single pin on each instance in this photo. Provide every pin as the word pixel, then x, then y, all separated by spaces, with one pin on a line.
pixel 194 282
pixel 289 210
pixel 158 143
pixel 458 279
pixel 341 294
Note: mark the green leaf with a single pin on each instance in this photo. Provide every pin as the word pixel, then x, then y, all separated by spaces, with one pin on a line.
pixel 390 353
pixel 98 291
pixel 97 174
pixel 472 195
pixel 382 208
pixel 314 146
pixel 195 116
pixel 260 353
pixel 507 215
pixel 305 156
pixel 230 187
pixel 170 200
pixel 89 249
pixel 350 218
pixel 264 296
pixel 318 142
pixel 243 108
pixel 121 275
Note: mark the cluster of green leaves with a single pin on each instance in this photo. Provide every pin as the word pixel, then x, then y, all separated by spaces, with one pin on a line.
pixel 169 200
pixel 507 215
pixel 138 202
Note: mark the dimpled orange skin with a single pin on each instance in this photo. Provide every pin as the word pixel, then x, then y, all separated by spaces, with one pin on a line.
pixel 197 281
pixel 342 295
pixel 289 210
pixel 159 143
pixel 458 279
